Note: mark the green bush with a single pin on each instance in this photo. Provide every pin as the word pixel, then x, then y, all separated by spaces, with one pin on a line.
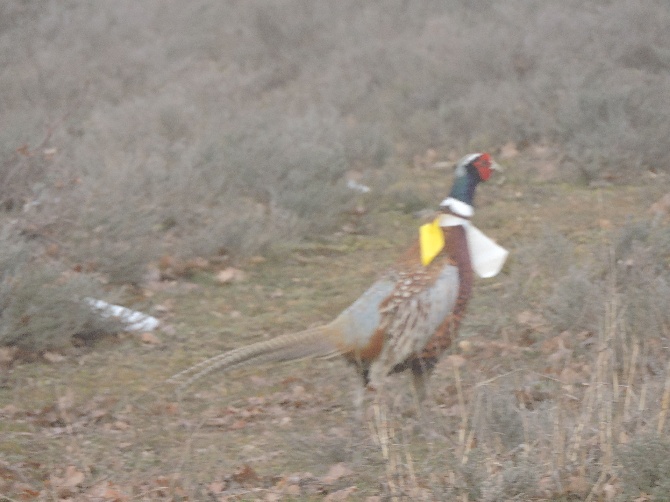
pixel 46 311
pixel 515 481
pixel 576 302
pixel 645 468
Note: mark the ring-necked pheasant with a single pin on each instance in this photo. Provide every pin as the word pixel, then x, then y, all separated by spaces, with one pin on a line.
pixel 408 317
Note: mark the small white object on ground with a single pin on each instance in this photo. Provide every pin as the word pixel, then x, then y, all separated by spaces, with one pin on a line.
pixel 132 319
pixel 354 185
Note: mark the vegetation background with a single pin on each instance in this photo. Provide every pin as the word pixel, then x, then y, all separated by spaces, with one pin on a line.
pixel 192 160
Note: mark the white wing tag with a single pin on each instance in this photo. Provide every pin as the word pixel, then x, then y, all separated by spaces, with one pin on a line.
pixel 486 256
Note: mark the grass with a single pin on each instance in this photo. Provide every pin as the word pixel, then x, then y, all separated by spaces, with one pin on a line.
pixel 525 431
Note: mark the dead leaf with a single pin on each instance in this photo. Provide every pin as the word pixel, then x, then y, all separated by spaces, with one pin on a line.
pixel 530 319
pixel 67 401
pixel 196 264
pixel 610 492
pixel 560 357
pixel 230 274
pixel 569 376
pixel 258 381
pixel 7 354
pixel 72 478
pixel 336 472
pixel 52 250
pixel 53 357
pixel 216 487
pixel 340 495
pixel 465 346
pixel 578 485
pixel 166 307
pixel 149 338
pixel 27 493
pixel 509 151
pixel 172 408
pixel 245 475
pixel 108 492
pixel 455 360
pixel 661 207
pixel 24 150
pixel 120 425
pixel 9 411
pixel 292 490
pixel 238 424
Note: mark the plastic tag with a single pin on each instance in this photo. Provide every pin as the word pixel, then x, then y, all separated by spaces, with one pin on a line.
pixel 431 240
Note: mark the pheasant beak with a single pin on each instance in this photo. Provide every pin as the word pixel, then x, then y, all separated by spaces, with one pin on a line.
pixel 496 167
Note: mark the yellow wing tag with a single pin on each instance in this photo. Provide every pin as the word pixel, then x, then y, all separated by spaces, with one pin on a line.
pixel 431 240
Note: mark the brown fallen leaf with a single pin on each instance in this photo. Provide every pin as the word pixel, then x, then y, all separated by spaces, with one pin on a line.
pixel 336 472
pixel 292 490
pixel 661 207
pixel 216 487
pixel 230 274
pixel 149 338
pixel 578 485
pixel 465 346
pixel 108 492
pixel 66 485
pixel 245 475
pixel 53 357
pixel 509 150
pixel 9 411
pixel 455 361
pixel 7 355
pixel 340 495
pixel 610 491
pixel 120 425
pixel 66 401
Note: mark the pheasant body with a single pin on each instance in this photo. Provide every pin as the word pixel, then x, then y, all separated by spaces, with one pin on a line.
pixel 405 320
pixel 401 311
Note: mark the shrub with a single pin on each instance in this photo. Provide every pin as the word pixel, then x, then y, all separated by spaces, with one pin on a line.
pixel 166 135
pixel 576 303
pixel 501 424
pixel 645 468
pixel 515 481
pixel 534 267
pixel 41 306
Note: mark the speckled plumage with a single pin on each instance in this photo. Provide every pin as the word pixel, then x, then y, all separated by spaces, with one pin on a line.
pixel 405 320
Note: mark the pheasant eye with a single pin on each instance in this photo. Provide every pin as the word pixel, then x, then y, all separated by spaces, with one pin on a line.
pixel 483 166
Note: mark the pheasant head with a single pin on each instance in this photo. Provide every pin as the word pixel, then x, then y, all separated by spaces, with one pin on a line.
pixel 469 171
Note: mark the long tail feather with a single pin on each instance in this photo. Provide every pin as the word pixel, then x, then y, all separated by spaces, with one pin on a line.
pixel 313 342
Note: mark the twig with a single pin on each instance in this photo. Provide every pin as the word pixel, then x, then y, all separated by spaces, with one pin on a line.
pixel 461 404
pixel 631 378
pixel 665 402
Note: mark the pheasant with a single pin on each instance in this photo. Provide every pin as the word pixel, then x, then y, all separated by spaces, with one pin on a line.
pixel 409 316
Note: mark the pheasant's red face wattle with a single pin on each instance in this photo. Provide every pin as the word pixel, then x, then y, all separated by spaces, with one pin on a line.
pixel 483 165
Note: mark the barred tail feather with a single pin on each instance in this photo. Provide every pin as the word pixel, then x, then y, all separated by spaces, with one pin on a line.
pixel 313 342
